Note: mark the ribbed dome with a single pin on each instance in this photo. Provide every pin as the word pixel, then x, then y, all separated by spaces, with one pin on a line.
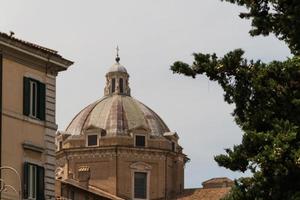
pixel 117 114
pixel 117 67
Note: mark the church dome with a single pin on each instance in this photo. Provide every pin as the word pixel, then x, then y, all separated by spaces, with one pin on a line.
pixel 117 115
pixel 117 67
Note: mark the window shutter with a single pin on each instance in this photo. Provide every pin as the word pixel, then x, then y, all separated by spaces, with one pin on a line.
pixel 25 180
pixel 140 185
pixel 41 100
pixel 40 183
pixel 26 96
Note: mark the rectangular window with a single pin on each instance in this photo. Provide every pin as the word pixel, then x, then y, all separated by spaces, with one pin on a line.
pixel 34 94
pixel 173 146
pixel 72 195
pixel 140 185
pixel 92 140
pixel 121 85
pixel 33 182
pixel 60 145
pixel 140 141
pixel 113 85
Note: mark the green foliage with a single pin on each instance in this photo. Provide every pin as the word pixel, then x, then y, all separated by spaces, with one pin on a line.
pixel 266 99
pixel 262 93
pixel 280 17
pixel 267 104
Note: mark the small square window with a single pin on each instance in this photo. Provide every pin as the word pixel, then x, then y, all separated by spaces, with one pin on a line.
pixel 140 141
pixel 92 140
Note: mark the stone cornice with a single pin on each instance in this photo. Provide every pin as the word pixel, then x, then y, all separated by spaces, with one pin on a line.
pixel 33 147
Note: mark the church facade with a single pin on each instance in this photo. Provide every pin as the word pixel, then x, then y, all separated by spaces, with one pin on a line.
pixel 118 148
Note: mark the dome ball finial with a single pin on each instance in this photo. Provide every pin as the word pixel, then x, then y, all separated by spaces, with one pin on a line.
pixel 117 57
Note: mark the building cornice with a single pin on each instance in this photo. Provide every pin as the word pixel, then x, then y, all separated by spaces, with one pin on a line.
pixel 34 50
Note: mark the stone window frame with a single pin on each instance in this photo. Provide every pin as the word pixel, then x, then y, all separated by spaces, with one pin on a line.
pixel 92 133
pixel 144 168
pixel 140 134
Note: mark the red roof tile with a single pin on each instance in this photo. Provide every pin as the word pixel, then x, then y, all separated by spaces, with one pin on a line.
pixel 204 194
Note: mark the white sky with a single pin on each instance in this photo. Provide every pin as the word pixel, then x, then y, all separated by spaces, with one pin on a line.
pixel 151 34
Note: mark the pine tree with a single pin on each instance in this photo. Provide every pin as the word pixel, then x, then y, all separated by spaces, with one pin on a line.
pixel 267 104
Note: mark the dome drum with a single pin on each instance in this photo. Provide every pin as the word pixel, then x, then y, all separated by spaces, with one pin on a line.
pixel 152 142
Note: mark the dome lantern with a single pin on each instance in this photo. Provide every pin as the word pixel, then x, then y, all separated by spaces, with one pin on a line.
pixel 117 79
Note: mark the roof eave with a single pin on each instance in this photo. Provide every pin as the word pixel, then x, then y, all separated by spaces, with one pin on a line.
pixel 61 63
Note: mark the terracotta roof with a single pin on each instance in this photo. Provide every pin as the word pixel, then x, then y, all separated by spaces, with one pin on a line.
pixel 33 48
pixel 218 183
pixel 204 194
pixel 218 180
pixel 91 189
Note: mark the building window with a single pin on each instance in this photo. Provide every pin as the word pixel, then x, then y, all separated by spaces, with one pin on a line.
pixel 60 145
pixel 121 85
pixel 140 141
pixel 72 195
pixel 173 146
pixel 113 85
pixel 140 185
pixel 103 133
pixel 34 98
pixel 92 140
pixel 33 182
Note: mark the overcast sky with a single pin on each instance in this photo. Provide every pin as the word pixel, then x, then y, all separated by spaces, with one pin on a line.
pixel 151 34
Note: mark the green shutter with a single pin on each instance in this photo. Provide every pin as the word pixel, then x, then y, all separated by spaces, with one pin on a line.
pixel 40 183
pixel 41 100
pixel 26 96
pixel 25 180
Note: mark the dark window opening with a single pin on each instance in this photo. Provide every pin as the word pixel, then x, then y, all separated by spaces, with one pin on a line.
pixel 140 185
pixel 121 85
pixel 113 85
pixel 103 133
pixel 34 94
pixel 72 195
pixel 92 140
pixel 140 141
pixel 33 182
pixel 60 145
pixel 173 146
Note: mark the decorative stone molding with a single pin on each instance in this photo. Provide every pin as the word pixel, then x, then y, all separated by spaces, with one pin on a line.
pixel 141 166
pixel 33 147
